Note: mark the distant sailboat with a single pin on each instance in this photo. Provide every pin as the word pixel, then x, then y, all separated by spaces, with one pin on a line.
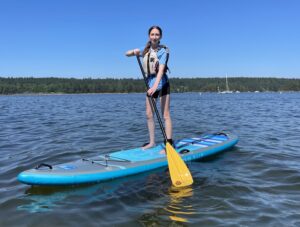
pixel 227 91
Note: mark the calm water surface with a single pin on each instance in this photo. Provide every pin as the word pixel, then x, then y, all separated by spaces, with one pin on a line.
pixel 257 183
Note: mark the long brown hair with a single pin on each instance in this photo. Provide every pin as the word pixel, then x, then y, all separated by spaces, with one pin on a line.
pixel 148 44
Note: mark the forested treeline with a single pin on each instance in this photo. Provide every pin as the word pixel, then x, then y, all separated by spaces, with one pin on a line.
pixel 22 85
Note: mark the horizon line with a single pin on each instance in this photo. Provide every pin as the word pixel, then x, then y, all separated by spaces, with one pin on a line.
pixel 138 77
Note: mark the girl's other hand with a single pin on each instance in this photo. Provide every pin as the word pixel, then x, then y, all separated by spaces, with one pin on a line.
pixel 136 52
pixel 133 52
pixel 152 90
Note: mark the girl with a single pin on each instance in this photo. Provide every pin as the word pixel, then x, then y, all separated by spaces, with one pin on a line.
pixel 155 58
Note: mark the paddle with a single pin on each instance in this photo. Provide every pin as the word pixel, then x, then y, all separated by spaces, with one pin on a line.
pixel 180 174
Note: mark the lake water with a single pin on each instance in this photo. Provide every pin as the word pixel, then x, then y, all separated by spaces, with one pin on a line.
pixel 257 183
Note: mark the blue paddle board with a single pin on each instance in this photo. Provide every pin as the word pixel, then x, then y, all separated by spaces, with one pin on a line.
pixel 126 162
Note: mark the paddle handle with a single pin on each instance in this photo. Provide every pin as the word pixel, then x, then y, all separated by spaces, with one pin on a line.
pixel 151 99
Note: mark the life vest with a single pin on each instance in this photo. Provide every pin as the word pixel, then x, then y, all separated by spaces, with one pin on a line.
pixel 151 61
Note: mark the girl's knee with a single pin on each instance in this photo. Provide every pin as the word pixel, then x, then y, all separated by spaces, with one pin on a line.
pixel 167 116
pixel 149 115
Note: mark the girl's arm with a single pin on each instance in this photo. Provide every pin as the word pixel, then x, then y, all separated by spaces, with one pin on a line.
pixel 132 52
pixel 159 75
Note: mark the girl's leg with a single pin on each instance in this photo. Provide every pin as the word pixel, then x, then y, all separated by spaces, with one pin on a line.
pixel 165 110
pixel 151 125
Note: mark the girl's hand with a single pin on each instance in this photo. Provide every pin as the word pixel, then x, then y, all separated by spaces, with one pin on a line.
pixel 136 52
pixel 133 52
pixel 152 90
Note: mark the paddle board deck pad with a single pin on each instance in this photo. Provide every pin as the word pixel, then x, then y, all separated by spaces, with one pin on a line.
pixel 126 162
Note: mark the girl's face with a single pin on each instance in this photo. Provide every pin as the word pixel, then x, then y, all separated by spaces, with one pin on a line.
pixel 154 36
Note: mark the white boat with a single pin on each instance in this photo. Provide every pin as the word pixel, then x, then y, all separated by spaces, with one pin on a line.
pixel 227 91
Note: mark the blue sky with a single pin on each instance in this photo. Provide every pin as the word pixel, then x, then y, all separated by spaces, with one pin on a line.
pixel 207 38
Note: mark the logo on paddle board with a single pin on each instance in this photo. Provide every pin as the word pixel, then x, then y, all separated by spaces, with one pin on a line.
pixel 178 183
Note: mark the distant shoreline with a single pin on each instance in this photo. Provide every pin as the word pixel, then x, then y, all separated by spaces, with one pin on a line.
pixel 60 86
pixel 208 92
pixel 46 94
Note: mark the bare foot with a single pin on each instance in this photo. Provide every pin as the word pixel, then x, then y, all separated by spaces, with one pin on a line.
pixel 149 145
pixel 163 151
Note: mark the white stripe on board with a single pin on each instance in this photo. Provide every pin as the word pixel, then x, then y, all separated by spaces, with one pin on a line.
pixel 215 141
pixel 199 145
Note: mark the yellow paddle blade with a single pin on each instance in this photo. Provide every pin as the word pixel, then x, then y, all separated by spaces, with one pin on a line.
pixel 179 172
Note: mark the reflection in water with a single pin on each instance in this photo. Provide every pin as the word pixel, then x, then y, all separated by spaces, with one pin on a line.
pixel 48 198
pixel 44 199
pixel 178 206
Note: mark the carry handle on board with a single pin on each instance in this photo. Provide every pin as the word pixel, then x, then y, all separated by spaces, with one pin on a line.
pixel 179 172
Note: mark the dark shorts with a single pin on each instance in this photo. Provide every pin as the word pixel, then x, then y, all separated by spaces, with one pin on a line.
pixel 165 90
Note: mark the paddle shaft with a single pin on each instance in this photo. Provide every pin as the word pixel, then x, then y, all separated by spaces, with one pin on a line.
pixel 151 100
pixel 179 172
